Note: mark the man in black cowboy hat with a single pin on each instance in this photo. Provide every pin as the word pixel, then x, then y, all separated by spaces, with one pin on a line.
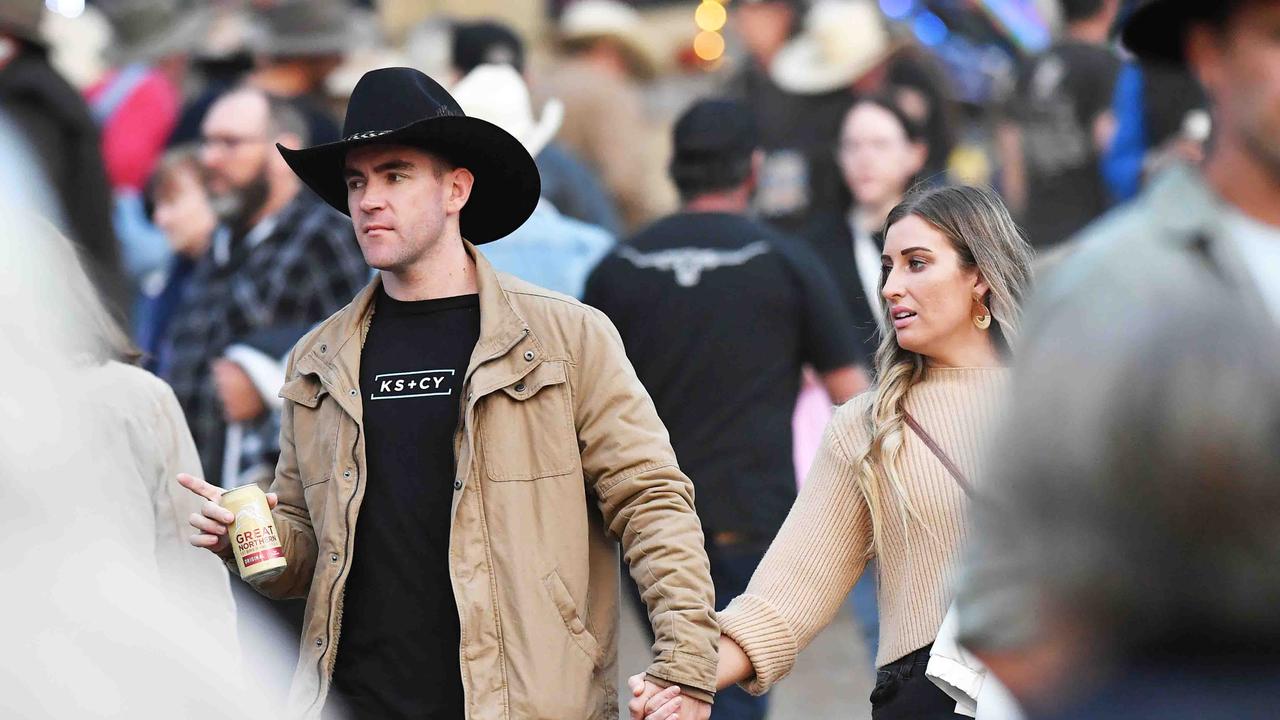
pixel 1205 232
pixel 444 437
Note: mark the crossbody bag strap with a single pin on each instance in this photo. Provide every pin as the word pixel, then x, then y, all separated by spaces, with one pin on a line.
pixel 938 453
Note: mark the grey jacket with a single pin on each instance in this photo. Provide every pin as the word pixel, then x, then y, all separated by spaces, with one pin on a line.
pixel 1169 243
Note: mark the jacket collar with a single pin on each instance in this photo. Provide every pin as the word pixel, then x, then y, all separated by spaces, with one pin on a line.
pixel 333 354
pixel 1188 213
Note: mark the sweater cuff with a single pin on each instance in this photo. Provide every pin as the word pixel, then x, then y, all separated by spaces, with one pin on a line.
pixel 766 638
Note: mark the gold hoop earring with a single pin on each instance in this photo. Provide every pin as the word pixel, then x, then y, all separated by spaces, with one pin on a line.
pixel 983 321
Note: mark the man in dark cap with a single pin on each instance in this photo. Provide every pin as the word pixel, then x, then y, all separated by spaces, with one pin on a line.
pixel 469 421
pixel 1209 232
pixel 54 122
pixel 719 314
pixel 485 42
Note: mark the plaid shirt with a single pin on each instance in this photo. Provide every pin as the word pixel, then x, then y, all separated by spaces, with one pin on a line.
pixel 295 268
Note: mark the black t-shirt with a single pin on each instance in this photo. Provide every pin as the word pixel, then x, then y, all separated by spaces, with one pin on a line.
pixel 1059 97
pixel 398 653
pixel 718 314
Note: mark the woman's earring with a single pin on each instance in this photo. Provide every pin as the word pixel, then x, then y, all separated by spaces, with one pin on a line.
pixel 983 321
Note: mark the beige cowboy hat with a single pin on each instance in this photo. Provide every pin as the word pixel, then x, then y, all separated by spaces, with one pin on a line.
pixel 588 20
pixel 842 40
pixel 498 93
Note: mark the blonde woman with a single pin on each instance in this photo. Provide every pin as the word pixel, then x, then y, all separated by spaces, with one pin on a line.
pixel 954 270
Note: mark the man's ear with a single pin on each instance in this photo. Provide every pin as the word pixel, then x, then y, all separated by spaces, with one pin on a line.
pixel 459 181
pixel 1203 46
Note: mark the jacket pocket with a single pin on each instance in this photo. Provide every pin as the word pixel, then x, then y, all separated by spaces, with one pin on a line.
pixel 315 428
pixel 526 428
pixel 568 610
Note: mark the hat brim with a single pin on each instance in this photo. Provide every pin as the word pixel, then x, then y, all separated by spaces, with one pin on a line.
pixel 800 68
pixel 507 185
pixel 1157 31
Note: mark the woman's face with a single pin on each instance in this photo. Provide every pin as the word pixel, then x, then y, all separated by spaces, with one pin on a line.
pixel 931 296
pixel 183 213
pixel 876 157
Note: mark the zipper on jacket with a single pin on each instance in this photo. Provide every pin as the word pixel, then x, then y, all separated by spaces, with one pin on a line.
pixel 327 678
pixel 468 412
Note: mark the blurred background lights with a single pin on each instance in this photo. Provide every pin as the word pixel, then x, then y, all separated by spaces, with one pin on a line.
pixel 66 8
pixel 710 16
pixel 708 46
pixel 896 9
pixel 929 29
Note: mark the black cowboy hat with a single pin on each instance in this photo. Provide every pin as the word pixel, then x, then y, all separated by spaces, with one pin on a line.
pixel 401 106
pixel 1157 29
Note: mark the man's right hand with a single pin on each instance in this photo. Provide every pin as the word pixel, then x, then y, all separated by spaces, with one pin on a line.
pixel 212 521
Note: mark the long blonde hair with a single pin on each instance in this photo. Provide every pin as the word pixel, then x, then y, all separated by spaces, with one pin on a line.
pixel 978 225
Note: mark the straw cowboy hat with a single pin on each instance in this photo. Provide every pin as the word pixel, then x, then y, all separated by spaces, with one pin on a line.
pixel 498 94
pixel 402 106
pixel 588 20
pixel 842 40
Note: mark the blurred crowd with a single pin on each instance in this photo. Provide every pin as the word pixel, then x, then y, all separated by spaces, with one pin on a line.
pixel 147 131
pixel 155 122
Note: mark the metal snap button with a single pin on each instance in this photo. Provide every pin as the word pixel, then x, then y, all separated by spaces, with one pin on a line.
pixel 353 392
pixel 333 557
pixel 457 484
pixel 324 348
pixel 346 474
pixel 519 387
pixel 528 354
pixel 470 396
pixel 319 642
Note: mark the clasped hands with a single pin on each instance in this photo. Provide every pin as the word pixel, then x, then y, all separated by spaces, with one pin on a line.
pixel 651 702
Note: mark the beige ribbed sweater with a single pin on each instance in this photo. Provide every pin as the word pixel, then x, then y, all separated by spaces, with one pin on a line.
pixel 821 550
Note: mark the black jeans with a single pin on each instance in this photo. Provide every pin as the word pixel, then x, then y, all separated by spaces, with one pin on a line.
pixel 903 692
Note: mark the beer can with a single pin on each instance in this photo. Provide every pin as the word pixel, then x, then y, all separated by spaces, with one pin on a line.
pixel 254 541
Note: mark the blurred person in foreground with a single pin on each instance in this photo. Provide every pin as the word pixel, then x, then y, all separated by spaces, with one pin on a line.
pixel 1057 125
pixel 891 480
pixel 54 122
pixel 567 182
pixel 103 580
pixel 550 250
pixel 1141 511
pixel 605 58
pixel 719 314
pixel 279 259
pixel 1202 234
pixel 490 437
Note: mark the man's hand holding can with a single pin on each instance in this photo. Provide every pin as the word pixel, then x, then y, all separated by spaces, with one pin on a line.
pixel 213 522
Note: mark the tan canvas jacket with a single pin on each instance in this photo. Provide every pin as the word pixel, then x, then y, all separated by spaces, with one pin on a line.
pixel 559 453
